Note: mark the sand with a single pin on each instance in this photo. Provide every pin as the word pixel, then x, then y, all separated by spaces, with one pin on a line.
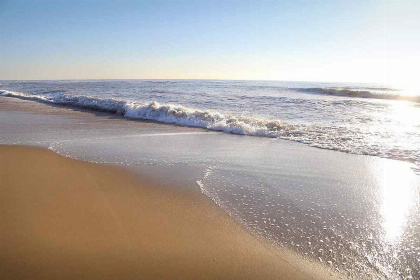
pixel 66 219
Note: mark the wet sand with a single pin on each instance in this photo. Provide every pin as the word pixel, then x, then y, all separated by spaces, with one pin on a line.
pixel 66 219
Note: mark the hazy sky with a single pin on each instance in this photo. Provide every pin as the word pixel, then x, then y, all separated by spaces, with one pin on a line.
pixel 365 41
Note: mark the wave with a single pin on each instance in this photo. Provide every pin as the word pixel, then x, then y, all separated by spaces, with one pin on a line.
pixel 168 113
pixel 375 93
pixel 337 138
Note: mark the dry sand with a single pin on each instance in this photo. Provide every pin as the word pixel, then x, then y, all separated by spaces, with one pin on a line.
pixel 66 219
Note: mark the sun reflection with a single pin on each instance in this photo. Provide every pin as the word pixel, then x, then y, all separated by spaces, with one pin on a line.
pixel 398 185
pixel 409 88
pixel 404 113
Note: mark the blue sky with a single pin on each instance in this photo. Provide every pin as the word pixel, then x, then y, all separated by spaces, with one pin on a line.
pixel 358 41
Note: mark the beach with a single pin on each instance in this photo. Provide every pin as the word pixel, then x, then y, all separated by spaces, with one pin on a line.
pixel 63 218
pixel 118 198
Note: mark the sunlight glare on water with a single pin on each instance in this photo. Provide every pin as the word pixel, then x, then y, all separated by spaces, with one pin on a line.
pixel 397 197
pixel 405 114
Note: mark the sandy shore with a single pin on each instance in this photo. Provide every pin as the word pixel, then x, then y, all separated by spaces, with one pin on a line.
pixel 66 219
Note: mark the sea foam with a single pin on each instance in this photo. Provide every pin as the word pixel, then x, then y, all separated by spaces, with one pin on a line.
pixel 332 137
pixel 168 113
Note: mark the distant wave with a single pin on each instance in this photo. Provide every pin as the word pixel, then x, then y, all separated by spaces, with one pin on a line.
pixel 376 93
pixel 158 81
pixel 325 137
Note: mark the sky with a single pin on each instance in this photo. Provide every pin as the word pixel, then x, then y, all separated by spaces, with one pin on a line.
pixel 330 41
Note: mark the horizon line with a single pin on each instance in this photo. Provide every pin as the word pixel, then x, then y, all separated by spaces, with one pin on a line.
pixel 194 79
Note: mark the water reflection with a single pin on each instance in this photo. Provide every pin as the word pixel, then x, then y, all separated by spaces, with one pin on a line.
pixel 405 115
pixel 398 195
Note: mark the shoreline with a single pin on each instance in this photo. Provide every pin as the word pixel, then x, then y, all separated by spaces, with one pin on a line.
pixel 57 108
pixel 91 221
pixel 293 198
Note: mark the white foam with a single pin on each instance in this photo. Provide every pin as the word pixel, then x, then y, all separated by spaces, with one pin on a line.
pixel 340 138
pixel 169 113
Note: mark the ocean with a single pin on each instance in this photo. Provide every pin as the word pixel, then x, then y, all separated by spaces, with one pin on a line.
pixel 344 189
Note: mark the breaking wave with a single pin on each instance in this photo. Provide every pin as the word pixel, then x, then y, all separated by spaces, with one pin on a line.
pixel 375 93
pixel 168 113
pixel 339 138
